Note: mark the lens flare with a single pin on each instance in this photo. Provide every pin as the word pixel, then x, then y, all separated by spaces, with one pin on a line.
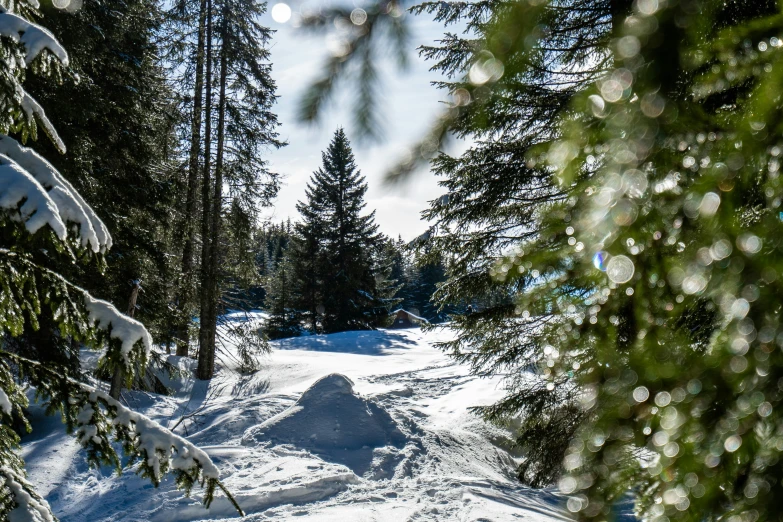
pixel 620 269
pixel 600 259
pixel 281 13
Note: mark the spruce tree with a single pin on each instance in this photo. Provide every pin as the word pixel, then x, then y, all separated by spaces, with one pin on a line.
pixel 425 282
pixel 43 222
pixel 306 266
pixel 245 127
pixel 114 112
pixel 182 15
pixel 351 295
pixel 283 320
pixel 494 193
pixel 397 257
pixel 648 293
pixel 642 281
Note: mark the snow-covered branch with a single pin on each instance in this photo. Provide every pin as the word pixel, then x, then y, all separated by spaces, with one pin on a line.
pixel 127 330
pixel 37 209
pixel 160 447
pixel 98 420
pixel 34 37
pixel 67 202
pixel 29 507
pixel 34 111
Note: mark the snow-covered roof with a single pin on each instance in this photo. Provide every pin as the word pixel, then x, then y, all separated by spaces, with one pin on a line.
pixel 412 315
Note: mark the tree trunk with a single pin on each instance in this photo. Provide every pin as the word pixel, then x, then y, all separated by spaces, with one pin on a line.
pixel 208 363
pixel 119 374
pixel 185 296
pixel 204 335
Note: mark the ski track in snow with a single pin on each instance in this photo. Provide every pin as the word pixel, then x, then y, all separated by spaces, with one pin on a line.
pixel 392 440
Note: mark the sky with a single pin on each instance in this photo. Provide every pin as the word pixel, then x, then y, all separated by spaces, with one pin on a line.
pixel 410 105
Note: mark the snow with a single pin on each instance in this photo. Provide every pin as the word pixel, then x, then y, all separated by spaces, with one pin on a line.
pixel 127 330
pixel 34 37
pixel 37 210
pixel 70 205
pixel 5 402
pixel 28 509
pixel 357 426
pixel 332 421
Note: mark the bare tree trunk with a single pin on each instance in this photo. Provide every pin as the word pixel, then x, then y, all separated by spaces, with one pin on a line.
pixel 204 334
pixel 185 295
pixel 119 374
pixel 208 364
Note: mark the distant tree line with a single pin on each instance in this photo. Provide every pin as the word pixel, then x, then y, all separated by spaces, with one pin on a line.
pixel 334 271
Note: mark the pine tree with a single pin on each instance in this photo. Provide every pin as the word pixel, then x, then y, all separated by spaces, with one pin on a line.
pixel 116 117
pixel 43 222
pixel 509 108
pixel 245 126
pixel 425 282
pixel 306 266
pixel 652 284
pixel 398 260
pixel 180 50
pixel 283 320
pixel 344 243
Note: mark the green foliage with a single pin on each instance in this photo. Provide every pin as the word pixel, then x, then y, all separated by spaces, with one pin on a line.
pixel 418 278
pixel 337 277
pixel 617 225
pixel 45 230
pixel 306 273
pixel 284 320
pixel 654 281
pixel 115 113
pixel 495 196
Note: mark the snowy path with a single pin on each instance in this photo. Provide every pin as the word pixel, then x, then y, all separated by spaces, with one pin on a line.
pixel 394 442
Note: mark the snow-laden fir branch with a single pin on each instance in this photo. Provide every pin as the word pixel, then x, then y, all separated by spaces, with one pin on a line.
pixel 28 507
pixel 70 206
pixel 123 328
pixel 34 37
pixel 156 449
pixel 34 111
pixel 102 314
pixel 37 209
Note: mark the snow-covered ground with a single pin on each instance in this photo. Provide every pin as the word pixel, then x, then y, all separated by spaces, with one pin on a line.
pixel 357 426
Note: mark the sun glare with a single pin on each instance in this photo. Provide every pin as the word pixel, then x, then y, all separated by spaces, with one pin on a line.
pixel 281 13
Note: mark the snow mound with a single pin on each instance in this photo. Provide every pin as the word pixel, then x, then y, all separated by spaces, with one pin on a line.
pixel 333 422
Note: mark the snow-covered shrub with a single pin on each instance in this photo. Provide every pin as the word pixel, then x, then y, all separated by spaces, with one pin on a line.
pixel 44 220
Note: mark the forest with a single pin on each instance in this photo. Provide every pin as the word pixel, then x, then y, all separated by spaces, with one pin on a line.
pixel 596 279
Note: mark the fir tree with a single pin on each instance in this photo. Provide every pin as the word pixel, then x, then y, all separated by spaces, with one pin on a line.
pixel 424 284
pixel 245 126
pixel 397 258
pixel 180 50
pixel 305 257
pixel 351 295
pixel 283 320
pixel 648 294
pixel 495 193
pixel 115 114
pixel 44 221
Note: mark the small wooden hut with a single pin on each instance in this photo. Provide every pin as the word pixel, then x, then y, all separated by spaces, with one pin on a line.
pixel 406 319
